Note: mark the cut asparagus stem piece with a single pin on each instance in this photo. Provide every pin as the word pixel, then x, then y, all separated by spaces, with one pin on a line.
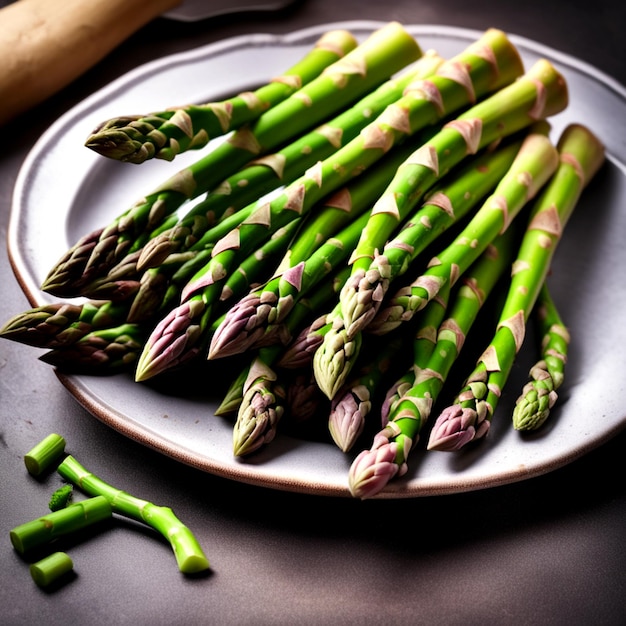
pixel 56 524
pixel 45 454
pixel 388 456
pixel 469 417
pixel 381 55
pixel 539 395
pixel 187 550
pixel 51 568
pixel 165 134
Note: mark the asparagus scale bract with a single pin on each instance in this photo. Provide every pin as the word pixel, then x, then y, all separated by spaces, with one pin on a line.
pixel 384 53
pixel 469 417
pixel 165 134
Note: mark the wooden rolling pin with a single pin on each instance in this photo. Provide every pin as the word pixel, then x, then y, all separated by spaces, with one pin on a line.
pixel 46 44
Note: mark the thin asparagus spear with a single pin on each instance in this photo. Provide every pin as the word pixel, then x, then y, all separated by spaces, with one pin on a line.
pixel 539 395
pixel 541 92
pixel 165 134
pixel 385 52
pixel 265 174
pixel 388 456
pixel 469 418
pixel 399 120
pixel 351 406
pixel 105 351
pixel 189 554
pixel 61 324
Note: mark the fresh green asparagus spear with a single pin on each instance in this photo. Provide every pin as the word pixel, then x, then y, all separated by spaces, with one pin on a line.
pixel 469 418
pixel 263 175
pixel 189 554
pixel 351 406
pixel 385 52
pixel 61 324
pixel 534 164
pixel 399 120
pixel 164 134
pixel 539 93
pixel 105 351
pixel 373 469
pixel 546 376
pixel 318 250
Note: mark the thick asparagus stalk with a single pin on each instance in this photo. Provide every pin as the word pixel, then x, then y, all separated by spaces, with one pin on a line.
pixel 385 52
pixel 399 120
pixel 469 418
pixel 534 164
pixel 164 134
pixel 388 456
pixel 539 395
pixel 540 92
pixel 265 174
pixel 189 554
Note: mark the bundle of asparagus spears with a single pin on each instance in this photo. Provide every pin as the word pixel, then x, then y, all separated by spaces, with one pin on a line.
pixel 343 239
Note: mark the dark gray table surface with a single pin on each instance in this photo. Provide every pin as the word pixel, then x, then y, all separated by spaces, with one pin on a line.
pixel 551 550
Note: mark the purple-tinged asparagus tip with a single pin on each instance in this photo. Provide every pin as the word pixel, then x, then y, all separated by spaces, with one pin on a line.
pixel 372 469
pixel 172 342
pixel 347 418
pixel 455 427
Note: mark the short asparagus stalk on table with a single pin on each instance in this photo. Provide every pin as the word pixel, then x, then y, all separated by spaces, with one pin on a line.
pixel 469 417
pixel 388 456
pixel 265 174
pixel 165 134
pixel 188 552
pixel 492 62
pixel 539 395
pixel 385 52
pixel 540 93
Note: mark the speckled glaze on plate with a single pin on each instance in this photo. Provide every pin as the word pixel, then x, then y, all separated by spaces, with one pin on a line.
pixel 64 191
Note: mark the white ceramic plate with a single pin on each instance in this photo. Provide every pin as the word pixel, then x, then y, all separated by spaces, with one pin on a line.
pixel 64 191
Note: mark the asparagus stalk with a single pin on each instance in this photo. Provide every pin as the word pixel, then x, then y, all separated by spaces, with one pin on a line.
pixel 62 324
pixel 43 530
pixel 539 395
pixel 165 134
pixel 399 120
pixel 469 418
pixel 351 406
pixel 189 554
pixel 508 111
pixel 256 319
pixel 104 351
pixel 372 469
pixel 385 52
pixel 534 164
pixel 264 174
